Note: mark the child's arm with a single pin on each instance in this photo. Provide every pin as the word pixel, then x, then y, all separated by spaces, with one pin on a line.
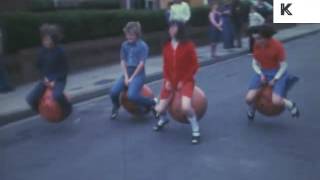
pixel 193 64
pixel 281 71
pixel 256 67
pixel 138 69
pixel 124 69
pixel 123 63
pixel 142 56
pixel 213 21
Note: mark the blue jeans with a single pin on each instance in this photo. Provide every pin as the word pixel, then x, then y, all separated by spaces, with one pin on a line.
pixel 134 90
pixel 38 91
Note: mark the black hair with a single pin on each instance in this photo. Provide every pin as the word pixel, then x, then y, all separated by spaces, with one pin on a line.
pixel 266 31
pixel 53 31
pixel 181 34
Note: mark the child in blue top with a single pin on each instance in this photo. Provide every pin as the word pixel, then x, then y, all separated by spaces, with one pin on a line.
pixel 53 68
pixel 134 52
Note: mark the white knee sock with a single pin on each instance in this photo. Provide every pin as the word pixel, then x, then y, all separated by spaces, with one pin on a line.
pixel 194 125
pixel 163 119
pixel 288 104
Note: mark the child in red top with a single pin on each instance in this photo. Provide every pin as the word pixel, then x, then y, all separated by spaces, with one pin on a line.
pixel 180 65
pixel 270 67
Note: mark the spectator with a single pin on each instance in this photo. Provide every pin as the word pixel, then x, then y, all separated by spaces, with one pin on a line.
pixel 4 84
pixel 240 13
pixel 167 12
pixel 227 26
pixel 255 20
pixel 215 28
pixel 180 11
pixel 265 9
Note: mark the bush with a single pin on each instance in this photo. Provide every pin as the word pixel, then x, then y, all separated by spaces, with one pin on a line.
pixel 42 5
pixel 22 28
pixel 48 5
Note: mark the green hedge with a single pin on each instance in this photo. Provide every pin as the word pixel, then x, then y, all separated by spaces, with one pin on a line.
pixel 22 28
pixel 48 5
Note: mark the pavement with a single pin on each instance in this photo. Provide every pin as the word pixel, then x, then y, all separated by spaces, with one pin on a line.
pixel 86 85
pixel 89 145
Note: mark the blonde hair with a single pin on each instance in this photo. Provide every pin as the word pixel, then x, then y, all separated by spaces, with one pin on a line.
pixel 51 30
pixel 133 27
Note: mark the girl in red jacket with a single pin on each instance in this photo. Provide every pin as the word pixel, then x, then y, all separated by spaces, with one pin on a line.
pixel 180 65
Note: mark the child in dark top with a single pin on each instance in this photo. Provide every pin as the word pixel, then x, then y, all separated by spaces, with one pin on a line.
pixel 53 68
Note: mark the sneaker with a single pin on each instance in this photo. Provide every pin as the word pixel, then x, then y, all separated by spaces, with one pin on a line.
pixel 294 110
pixel 251 115
pixel 114 112
pixel 195 139
pixel 153 110
pixel 160 126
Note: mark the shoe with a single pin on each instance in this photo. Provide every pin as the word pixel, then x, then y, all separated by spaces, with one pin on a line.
pixel 114 112
pixel 294 110
pixel 159 126
pixel 153 109
pixel 195 139
pixel 251 115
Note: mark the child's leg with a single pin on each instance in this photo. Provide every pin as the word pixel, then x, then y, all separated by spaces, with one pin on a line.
pixel 213 50
pixel 278 96
pixel 116 90
pixel 191 115
pixel 254 88
pixel 35 95
pixel 134 93
pixel 59 96
pixel 162 107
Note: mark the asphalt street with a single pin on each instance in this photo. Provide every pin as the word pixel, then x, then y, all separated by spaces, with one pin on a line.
pixel 89 146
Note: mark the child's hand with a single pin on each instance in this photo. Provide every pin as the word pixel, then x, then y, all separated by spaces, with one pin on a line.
pixel 180 84
pixel 46 80
pixel 168 86
pixel 263 79
pixel 52 83
pixel 272 82
pixel 129 81
pixel 126 81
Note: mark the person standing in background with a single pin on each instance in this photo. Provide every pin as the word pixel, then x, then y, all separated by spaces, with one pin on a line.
pixel 255 20
pixel 180 11
pixel 167 12
pixel 4 84
pixel 215 28
pixel 239 13
pixel 227 26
